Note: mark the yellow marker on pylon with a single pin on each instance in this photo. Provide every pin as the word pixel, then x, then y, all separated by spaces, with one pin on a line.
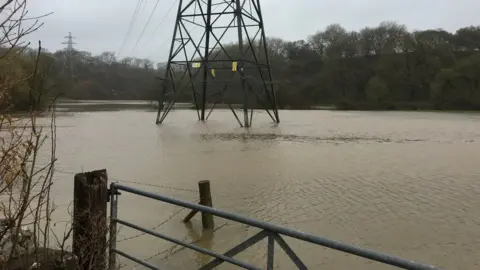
pixel 234 66
pixel 196 65
pixel 213 72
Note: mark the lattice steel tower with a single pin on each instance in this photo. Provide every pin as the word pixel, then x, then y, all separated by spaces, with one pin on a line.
pixel 219 54
pixel 70 51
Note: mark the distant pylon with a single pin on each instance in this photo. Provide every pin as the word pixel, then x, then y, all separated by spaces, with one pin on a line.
pixel 69 41
pixel 208 63
pixel 70 50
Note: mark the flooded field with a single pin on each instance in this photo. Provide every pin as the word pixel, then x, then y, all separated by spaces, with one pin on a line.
pixel 404 183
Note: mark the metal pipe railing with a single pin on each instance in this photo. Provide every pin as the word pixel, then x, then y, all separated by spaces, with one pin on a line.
pixel 190 246
pixel 351 249
pixel 144 263
pixel 112 258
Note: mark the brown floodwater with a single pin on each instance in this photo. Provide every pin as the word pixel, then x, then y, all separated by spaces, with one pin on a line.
pixel 404 183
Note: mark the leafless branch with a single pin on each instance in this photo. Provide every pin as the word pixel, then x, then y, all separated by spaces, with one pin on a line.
pixel 25 197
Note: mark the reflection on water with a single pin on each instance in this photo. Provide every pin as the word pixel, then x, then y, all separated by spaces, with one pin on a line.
pixel 402 183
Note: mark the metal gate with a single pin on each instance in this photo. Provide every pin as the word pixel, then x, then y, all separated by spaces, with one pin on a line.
pixel 272 232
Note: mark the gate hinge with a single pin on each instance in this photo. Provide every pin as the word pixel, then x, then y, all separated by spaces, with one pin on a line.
pixel 109 193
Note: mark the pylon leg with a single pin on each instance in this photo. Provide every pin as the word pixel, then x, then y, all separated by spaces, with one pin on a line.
pixel 199 51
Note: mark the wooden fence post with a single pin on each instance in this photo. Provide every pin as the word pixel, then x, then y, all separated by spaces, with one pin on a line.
pixel 206 200
pixel 90 195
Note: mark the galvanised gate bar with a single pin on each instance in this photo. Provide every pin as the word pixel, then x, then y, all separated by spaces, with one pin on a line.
pixel 272 232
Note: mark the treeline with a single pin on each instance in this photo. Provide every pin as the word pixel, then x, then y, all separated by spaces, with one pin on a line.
pixel 105 77
pixel 75 75
pixel 383 67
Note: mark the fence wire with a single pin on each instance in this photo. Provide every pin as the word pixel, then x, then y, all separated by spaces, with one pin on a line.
pixel 217 194
pixel 170 251
pixel 154 228
pixel 138 183
pixel 158 186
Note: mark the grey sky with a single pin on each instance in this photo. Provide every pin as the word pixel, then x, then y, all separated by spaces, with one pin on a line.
pixel 101 25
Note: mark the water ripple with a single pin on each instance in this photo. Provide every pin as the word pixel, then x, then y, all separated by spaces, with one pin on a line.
pixel 266 137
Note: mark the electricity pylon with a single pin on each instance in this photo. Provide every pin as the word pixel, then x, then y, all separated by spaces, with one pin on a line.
pixel 70 50
pixel 204 60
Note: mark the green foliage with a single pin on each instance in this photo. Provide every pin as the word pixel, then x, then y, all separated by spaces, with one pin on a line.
pixel 384 66
pixel 377 67
pixel 376 90
pixel 13 81
pixel 459 86
pixel 25 82
pixel 105 77
pixel 445 85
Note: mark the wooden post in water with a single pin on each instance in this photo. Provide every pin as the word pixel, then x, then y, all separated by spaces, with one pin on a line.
pixel 206 200
pixel 190 216
pixel 90 228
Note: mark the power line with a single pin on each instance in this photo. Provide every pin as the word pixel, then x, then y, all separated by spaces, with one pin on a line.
pixel 163 20
pixel 161 46
pixel 130 27
pixel 161 23
pixel 146 25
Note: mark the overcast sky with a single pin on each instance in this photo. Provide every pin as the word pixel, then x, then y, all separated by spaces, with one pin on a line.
pixel 101 25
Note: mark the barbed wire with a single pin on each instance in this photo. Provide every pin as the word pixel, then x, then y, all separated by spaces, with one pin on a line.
pixel 158 186
pixel 192 191
pixel 170 249
pixel 225 194
pixel 193 242
pixel 176 213
pixel 138 183
pixel 173 249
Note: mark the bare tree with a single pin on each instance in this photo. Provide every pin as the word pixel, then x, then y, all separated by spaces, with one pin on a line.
pixel 25 139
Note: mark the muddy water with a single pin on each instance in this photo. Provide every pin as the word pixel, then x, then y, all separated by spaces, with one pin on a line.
pixel 405 183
